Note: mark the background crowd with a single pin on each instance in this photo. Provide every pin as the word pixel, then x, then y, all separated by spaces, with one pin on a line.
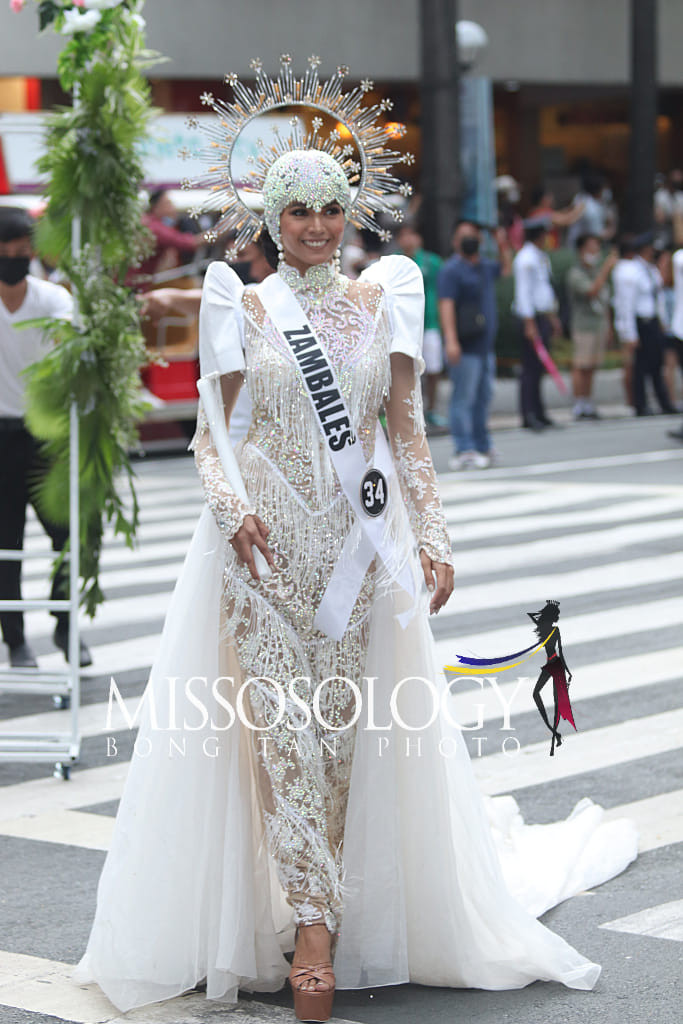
pixel 567 285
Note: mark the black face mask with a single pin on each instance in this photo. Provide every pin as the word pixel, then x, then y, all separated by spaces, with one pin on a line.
pixel 469 246
pixel 13 269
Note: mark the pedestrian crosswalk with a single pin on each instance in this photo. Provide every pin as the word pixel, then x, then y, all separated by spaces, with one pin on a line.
pixel 610 551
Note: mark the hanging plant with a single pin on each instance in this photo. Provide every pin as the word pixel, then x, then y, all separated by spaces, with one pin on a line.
pixel 93 168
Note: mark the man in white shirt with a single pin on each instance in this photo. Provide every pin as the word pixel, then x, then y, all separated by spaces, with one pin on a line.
pixel 623 278
pixel 535 304
pixel 637 323
pixel 677 319
pixel 23 297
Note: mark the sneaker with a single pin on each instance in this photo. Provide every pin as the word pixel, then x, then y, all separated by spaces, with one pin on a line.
pixel 21 656
pixel 435 419
pixel 463 460
pixel 480 460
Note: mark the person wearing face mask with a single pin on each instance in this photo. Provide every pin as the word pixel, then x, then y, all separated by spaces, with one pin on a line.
pixel 469 323
pixel 640 310
pixel 587 288
pixel 23 297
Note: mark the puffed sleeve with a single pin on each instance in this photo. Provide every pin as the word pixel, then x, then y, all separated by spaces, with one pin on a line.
pixel 403 286
pixel 401 281
pixel 220 321
pixel 221 358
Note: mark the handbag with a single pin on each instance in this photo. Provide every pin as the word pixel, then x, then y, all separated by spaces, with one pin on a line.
pixel 470 322
pixel 470 319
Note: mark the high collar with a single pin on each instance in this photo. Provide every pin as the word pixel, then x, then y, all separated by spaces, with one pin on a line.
pixel 317 282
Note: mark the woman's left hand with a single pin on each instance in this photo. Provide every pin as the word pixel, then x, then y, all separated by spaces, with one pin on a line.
pixel 439 578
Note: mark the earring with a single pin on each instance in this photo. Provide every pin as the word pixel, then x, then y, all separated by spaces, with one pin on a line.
pixel 280 253
pixel 337 261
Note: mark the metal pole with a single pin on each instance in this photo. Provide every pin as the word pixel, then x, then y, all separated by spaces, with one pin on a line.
pixel 74 570
pixel 440 94
pixel 643 146
pixel 74 512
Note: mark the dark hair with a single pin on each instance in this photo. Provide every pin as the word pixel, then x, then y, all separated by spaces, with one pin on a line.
pixel 269 247
pixel 372 243
pixel 467 220
pixel 537 194
pixel 15 223
pixel 408 225
pixel 627 245
pixel 155 196
pixel 592 184
pixel 537 231
pixel 586 237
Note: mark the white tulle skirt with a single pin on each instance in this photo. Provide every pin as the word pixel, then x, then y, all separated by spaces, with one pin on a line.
pixel 441 886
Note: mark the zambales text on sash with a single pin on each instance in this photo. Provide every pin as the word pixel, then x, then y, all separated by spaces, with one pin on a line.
pixel 318 376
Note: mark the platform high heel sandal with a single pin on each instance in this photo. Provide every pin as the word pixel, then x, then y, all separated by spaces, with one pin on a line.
pixel 312 1004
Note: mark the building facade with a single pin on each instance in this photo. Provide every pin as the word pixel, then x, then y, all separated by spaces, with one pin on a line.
pixel 560 70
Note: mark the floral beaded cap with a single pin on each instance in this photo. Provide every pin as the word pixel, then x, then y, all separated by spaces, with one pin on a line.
pixel 322 117
pixel 306 176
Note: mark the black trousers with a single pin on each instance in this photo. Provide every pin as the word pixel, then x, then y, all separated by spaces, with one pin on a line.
pixel 648 363
pixel 530 400
pixel 20 462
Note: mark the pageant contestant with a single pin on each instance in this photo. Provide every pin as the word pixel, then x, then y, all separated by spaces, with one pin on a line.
pixel 294 819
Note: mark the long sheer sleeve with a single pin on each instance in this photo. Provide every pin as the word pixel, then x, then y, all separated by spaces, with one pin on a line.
pixel 408 439
pixel 221 361
pixel 228 510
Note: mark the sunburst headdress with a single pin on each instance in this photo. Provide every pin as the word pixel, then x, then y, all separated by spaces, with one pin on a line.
pixel 356 142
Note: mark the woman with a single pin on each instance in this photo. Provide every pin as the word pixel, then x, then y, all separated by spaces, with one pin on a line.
pixel 555 667
pixel 251 842
pixel 307 521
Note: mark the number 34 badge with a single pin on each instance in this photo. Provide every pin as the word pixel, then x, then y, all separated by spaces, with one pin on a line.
pixel 374 492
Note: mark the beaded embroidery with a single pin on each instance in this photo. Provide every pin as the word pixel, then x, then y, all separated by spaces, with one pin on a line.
pixel 292 484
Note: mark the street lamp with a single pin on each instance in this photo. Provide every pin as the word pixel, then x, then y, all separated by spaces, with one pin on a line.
pixel 471 40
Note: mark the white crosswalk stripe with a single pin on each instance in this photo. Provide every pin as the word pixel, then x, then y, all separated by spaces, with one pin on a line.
pixel 517 541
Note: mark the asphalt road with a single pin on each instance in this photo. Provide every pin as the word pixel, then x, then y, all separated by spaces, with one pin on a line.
pixel 589 514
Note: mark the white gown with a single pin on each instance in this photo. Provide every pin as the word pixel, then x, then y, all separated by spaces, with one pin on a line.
pixel 440 886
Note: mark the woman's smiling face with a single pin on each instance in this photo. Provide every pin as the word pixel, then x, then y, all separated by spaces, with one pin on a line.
pixel 310 238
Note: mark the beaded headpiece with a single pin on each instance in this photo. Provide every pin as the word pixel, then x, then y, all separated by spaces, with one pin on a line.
pixel 356 143
pixel 305 176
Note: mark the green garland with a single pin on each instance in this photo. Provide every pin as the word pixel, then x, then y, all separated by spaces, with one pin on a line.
pixel 94 171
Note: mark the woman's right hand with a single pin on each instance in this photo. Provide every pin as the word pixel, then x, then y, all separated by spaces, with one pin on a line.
pixel 253 531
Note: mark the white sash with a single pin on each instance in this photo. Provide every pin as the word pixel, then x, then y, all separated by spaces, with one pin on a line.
pixel 369 535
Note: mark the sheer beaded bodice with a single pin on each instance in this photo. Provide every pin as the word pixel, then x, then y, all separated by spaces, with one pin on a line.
pixel 351 319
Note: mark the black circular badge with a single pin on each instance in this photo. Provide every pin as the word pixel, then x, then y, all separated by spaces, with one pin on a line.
pixel 374 492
